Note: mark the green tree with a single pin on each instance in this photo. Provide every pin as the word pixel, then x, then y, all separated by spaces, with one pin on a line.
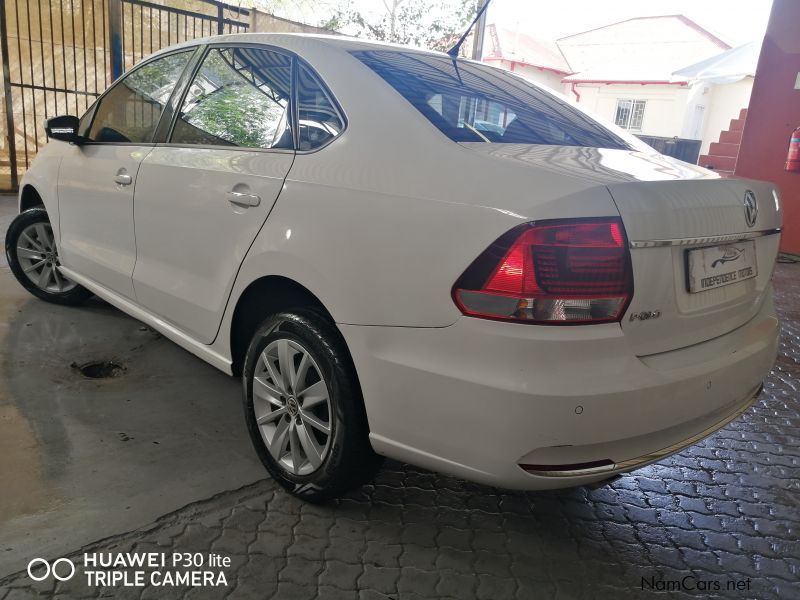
pixel 413 22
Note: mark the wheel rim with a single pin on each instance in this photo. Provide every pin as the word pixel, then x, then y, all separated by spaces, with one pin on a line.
pixel 292 406
pixel 38 256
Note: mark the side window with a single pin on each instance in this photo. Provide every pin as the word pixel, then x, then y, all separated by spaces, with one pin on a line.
pixel 239 97
pixel 130 111
pixel 86 120
pixel 318 120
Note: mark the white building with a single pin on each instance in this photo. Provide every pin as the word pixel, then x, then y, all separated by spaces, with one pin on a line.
pixel 649 75
pixel 537 60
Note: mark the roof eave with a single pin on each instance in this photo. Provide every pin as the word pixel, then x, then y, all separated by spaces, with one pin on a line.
pixel 527 64
pixel 626 81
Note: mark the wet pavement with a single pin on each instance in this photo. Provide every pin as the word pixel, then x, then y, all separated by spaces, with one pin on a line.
pixel 82 459
pixel 719 520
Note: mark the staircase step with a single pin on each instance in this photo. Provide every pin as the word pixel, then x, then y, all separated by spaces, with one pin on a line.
pixel 724 149
pixel 743 114
pixel 718 163
pixel 736 125
pixel 731 137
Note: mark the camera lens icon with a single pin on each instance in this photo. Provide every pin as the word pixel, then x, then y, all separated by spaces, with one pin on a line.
pixel 58 569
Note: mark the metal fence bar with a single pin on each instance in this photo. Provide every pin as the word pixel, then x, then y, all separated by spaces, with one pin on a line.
pixel 33 86
pixel 52 54
pixel 33 94
pixel 35 90
pixel 64 60
pixel 10 129
pixel 22 93
pixel 115 34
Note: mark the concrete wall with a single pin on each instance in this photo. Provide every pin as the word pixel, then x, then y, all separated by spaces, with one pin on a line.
pixel 663 115
pixel 774 113
pixel 722 103
pixel 267 23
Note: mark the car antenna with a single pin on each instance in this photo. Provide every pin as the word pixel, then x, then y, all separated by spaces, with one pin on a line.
pixel 453 52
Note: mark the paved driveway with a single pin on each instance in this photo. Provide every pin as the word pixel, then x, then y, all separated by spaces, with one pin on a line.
pixel 722 518
pixel 83 459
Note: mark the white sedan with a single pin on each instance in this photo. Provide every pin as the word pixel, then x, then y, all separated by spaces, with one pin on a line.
pixel 408 255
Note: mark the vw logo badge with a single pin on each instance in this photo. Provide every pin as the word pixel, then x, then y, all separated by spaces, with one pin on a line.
pixel 750 208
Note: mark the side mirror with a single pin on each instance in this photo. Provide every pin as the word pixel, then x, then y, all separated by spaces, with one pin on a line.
pixel 64 128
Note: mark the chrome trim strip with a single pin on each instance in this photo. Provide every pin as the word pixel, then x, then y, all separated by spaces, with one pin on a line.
pixel 645 459
pixel 712 239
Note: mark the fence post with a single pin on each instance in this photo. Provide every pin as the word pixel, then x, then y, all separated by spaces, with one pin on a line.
pixel 220 20
pixel 10 129
pixel 115 37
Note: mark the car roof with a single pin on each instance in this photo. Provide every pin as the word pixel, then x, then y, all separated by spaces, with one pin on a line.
pixel 298 41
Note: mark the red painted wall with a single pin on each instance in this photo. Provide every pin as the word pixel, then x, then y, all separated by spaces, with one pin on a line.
pixel 774 113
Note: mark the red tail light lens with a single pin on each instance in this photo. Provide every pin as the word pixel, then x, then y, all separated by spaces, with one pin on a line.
pixel 574 271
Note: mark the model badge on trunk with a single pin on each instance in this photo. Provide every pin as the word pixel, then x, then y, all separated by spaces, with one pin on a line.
pixel 645 315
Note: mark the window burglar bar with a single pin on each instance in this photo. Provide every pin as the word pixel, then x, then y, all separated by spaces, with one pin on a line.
pixel 59 55
pixel 630 114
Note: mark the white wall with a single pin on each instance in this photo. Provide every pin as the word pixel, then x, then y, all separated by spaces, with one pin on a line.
pixel 671 110
pixel 543 77
pixel 723 103
pixel 664 112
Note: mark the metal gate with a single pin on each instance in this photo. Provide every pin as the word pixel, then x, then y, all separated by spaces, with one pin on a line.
pixel 59 55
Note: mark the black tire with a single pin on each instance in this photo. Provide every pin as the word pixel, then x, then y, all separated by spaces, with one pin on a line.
pixel 350 461
pixel 33 216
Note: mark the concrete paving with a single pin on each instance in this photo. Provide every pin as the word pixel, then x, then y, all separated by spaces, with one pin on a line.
pixel 84 459
pixel 719 520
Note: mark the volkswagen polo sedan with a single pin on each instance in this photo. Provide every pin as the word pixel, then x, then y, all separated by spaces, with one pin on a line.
pixel 409 255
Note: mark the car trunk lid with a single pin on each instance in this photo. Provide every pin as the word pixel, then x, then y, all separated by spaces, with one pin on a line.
pixel 670 209
pixel 707 292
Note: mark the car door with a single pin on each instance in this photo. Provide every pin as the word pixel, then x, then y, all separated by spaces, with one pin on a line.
pixel 202 197
pixel 97 178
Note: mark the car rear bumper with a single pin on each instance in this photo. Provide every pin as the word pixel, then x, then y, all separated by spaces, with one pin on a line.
pixel 480 398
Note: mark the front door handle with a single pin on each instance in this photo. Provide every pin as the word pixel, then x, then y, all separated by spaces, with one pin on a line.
pixel 242 199
pixel 122 178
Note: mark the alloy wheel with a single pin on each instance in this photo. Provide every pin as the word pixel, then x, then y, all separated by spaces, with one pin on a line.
pixel 38 256
pixel 292 406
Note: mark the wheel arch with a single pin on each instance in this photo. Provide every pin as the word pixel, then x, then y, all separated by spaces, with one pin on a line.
pixel 261 298
pixel 29 197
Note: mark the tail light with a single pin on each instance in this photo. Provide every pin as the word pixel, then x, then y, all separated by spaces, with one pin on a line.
pixel 571 271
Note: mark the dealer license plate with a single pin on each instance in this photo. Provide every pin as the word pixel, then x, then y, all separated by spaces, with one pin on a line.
pixel 717 266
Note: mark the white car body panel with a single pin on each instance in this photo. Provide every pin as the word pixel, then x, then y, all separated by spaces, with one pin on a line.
pixel 96 213
pixel 378 226
pixel 190 239
pixel 479 397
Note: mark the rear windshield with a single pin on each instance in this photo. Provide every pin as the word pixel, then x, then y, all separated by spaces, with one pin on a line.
pixel 472 103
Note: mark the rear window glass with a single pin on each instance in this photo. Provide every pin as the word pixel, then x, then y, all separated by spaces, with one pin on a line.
pixel 472 103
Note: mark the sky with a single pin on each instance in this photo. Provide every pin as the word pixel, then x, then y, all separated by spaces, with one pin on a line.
pixel 735 21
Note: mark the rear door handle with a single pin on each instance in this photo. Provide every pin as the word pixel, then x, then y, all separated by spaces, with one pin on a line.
pixel 242 199
pixel 123 179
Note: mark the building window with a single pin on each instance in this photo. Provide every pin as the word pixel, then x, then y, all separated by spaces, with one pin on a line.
pixel 630 114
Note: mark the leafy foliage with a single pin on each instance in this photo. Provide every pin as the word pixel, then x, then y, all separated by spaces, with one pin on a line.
pixel 411 22
pixel 223 104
